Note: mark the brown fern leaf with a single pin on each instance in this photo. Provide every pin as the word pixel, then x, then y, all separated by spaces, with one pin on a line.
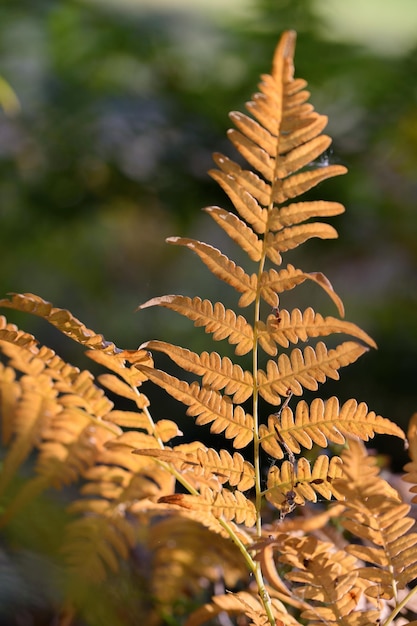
pixel 11 334
pixel 222 267
pixel 285 326
pixel 209 406
pixel 222 504
pixel 288 485
pixel 60 318
pixel 124 364
pixel 222 322
pixel 237 230
pixel 208 462
pixel 329 581
pixel 217 372
pixel 319 423
pixel 410 468
pixel 242 603
pixel 291 373
pixel 10 391
pixel 184 553
pixel 272 283
pixel 375 513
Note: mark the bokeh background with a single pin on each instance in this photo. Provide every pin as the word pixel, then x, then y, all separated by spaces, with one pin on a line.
pixel 105 140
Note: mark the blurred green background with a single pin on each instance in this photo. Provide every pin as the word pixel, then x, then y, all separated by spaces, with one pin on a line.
pixel 120 105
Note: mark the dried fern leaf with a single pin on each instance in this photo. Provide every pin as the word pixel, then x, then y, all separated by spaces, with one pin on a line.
pixel 320 423
pixel 410 468
pixel 210 462
pixel 10 391
pixel 298 212
pixel 297 184
pixel 375 513
pixel 209 406
pixel 293 326
pixel 237 230
pixel 223 504
pixel 222 322
pixel 60 318
pixel 222 267
pixel 183 553
pixel 290 374
pixel 294 485
pixel 124 364
pixel 11 334
pixel 273 283
pixel 95 544
pixel 35 410
pixel 217 372
pixel 292 237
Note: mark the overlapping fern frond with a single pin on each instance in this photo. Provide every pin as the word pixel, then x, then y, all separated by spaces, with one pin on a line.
pixel 197 501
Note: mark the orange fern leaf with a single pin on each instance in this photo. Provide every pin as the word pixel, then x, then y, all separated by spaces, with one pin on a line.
pixel 222 322
pixel 209 406
pixel 237 230
pixel 61 318
pixel 291 374
pixel 222 267
pixel 223 504
pixel 320 423
pixel 217 372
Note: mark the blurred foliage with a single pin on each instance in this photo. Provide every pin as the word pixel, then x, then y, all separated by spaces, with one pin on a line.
pixel 120 112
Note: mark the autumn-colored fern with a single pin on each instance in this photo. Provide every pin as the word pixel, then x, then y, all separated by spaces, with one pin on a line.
pixel 226 515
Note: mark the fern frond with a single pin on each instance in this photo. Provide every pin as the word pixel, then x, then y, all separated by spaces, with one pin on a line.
pixel 273 283
pixel 123 363
pixel 410 468
pixel 241 603
pixel 60 318
pixel 246 191
pixel 290 374
pixel 291 237
pixel 209 406
pixel 225 504
pixel 10 391
pixel 298 212
pixel 12 334
pixel 237 230
pixel 290 485
pixel 293 326
pixel 217 372
pixel 320 423
pixel 209 462
pixel 375 513
pixel 222 267
pixel 222 322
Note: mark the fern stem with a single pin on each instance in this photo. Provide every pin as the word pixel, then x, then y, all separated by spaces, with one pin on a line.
pixel 400 606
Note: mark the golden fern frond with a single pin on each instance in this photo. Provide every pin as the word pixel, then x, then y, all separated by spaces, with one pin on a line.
pixel 285 326
pixel 208 462
pixel 124 364
pixel 222 267
pixel 298 212
pixel 375 513
pixel 36 409
pixel 319 423
pixel 410 468
pixel 272 283
pixel 186 555
pixel 329 581
pixel 94 544
pixel 60 318
pixel 305 369
pixel 222 322
pixel 10 391
pixel 217 372
pixel 12 334
pixel 225 504
pixel 292 484
pixel 208 405
pixel 237 230
pixel 242 603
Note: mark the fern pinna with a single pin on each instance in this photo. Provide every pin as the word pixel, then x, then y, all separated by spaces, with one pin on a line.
pixel 208 514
